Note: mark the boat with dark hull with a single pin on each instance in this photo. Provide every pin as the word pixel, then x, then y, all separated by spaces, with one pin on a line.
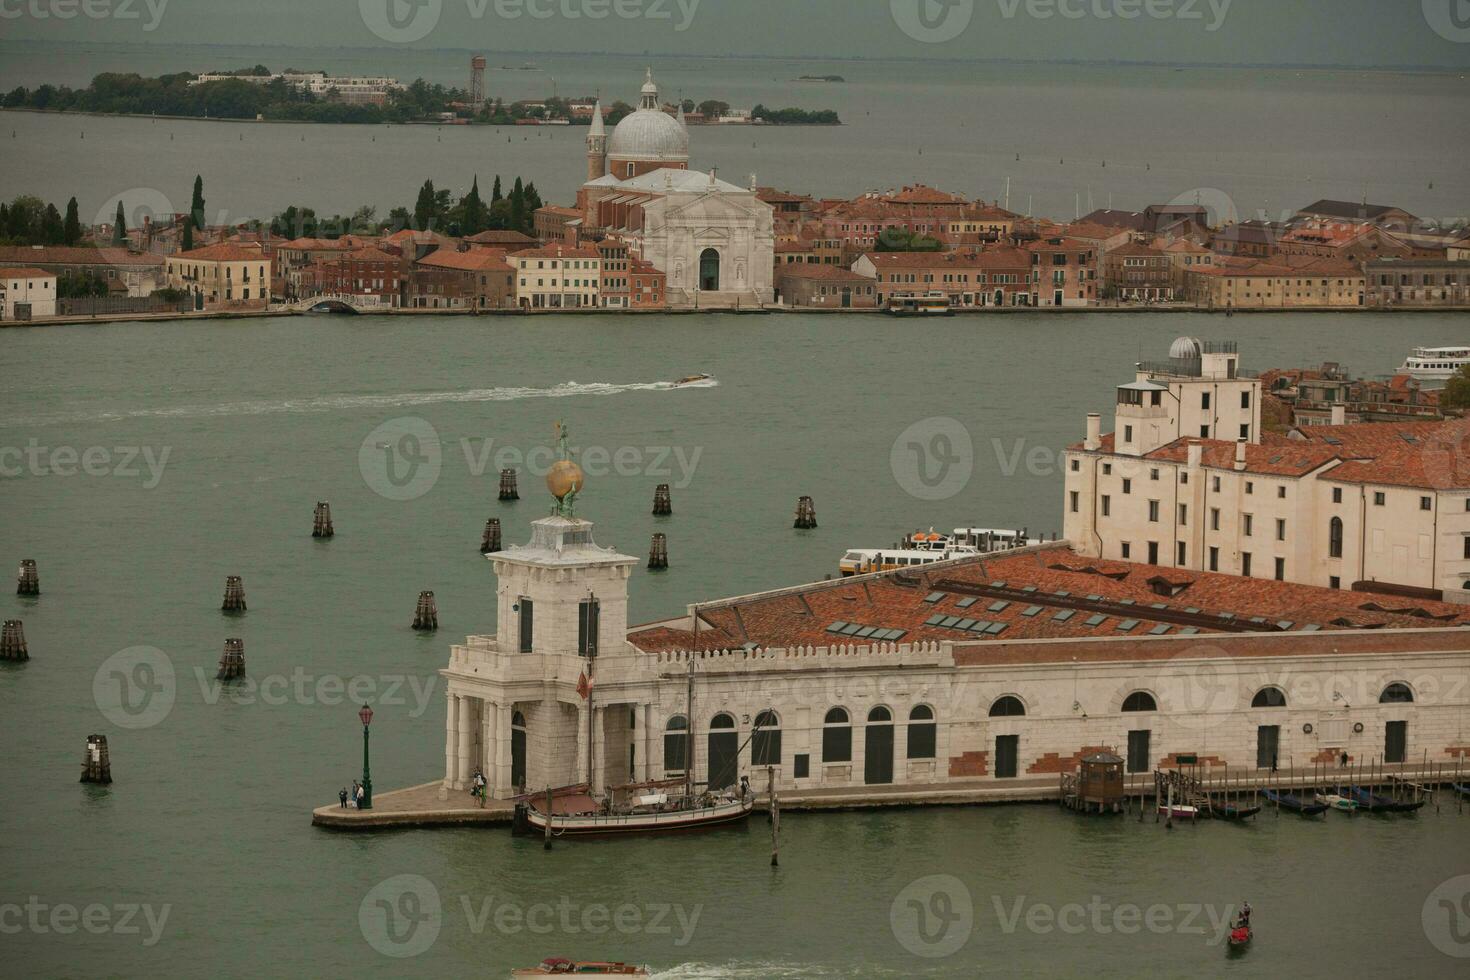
pixel 1233 811
pixel 1294 803
pixel 1377 803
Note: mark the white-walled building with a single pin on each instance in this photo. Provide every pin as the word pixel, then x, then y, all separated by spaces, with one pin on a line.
pixel 1186 480
pixel 557 277
pixel 967 673
pixel 26 294
pixel 223 275
pixel 714 241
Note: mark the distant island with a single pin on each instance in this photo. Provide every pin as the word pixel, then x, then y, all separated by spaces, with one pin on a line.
pixel 821 78
pixel 296 95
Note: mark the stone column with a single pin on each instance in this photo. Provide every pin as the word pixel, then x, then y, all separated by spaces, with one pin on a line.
pixel 599 750
pixel 451 743
pixel 466 742
pixel 640 744
pixel 501 778
pixel 580 765
pixel 489 716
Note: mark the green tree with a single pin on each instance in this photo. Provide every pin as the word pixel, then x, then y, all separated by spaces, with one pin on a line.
pixel 196 205
pixel 187 245
pixel 53 229
pixel 1456 392
pixel 713 108
pixel 495 194
pixel 518 207
pixel 473 216
pixel 120 226
pixel 431 208
pixel 72 228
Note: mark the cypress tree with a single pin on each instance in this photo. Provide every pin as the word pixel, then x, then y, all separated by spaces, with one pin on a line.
pixel 518 207
pixel 72 230
pixel 120 226
pixel 495 194
pixel 424 208
pixel 196 206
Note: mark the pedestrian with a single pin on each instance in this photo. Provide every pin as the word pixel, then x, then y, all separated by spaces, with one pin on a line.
pixel 342 796
pixel 361 794
pixel 355 793
pixel 1342 763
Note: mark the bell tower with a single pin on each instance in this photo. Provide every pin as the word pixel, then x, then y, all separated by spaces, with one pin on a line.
pixel 596 145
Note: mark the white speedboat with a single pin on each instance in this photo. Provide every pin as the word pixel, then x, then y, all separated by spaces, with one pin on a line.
pixel 1435 363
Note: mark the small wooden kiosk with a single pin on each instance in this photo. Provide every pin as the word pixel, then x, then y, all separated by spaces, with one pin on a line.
pixel 1098 786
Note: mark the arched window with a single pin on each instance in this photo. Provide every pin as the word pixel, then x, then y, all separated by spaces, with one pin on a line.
pixel 1140 701
pixel 837 737
pixel 676 744
pixel 765 740
pixel 1396 693
pixel 880 716
pixel 922 732
pixel 1269 697
pixel 722 720
pixel 517 720
pixel 1334 538
pixel 1007 707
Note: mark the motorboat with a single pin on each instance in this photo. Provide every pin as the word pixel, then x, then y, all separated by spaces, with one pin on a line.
pixel 556 966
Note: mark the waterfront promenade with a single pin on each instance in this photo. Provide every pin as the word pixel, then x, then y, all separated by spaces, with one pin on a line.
pixel 430 805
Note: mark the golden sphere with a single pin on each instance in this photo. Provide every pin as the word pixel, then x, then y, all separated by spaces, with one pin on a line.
pixel 564 478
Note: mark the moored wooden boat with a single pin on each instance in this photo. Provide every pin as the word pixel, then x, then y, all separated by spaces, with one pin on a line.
pixel 1233 811
pixel 1182 810
pixel 1335 801
pixel 1290 801
pixel 1377 803
pixel 663 816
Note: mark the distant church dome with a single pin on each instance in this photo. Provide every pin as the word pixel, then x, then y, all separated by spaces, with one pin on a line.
pixel 1186 349
pixel 649 134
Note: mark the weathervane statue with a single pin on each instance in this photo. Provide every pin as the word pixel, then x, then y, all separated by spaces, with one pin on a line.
pixel 565 478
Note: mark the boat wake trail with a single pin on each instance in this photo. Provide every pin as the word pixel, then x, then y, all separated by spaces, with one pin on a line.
pixel 347 403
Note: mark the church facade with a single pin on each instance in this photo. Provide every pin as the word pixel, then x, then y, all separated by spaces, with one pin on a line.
pixel 714 240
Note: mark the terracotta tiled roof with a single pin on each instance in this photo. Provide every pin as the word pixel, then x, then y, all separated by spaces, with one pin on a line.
pixel 967 259
pixel 474 260
pixel 500 236
pixel 1266 460
pixel 1050 593
pixel 222 253
pixel 26 274
pixel 559 252
pixel 74 255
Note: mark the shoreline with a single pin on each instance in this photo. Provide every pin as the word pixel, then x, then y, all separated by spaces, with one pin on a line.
pixel 456 124
pixel 59 321
pixel 430 805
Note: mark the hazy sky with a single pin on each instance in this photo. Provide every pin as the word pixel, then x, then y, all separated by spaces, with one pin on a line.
pixel 1358 32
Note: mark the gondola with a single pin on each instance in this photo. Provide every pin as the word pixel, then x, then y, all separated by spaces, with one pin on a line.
pixel 1462 789
pixel 1374 803
pixel 1233 811
pixel 1290 801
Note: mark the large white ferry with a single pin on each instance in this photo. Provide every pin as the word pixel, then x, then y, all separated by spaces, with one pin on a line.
pixel 928 547
pixel 1435 363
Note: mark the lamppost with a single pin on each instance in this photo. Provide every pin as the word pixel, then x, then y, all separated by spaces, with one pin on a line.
pixel 366 714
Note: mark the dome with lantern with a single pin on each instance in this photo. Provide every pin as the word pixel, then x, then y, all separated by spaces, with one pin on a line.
pixel 649 135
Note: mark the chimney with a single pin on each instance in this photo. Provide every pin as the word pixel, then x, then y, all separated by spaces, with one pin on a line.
pixel 1339 415
pixel 1240 456
pixel 1195 455
pixel 1094 432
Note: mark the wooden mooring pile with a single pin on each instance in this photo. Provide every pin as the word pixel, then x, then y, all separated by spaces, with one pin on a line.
pixel 234 594
pixel 663 503
pixel 806 514
pixel 490 540
pixel 426 614
pixel 96 763
pixel 508 489
pixel 321 522
pixel 232 661
pixel 658 553
pixel 27 580
pixel 13 642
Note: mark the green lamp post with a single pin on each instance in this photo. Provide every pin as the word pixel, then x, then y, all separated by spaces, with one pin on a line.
pixel 366 714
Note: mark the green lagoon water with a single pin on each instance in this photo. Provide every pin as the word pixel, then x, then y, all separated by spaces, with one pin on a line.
pixel 209 816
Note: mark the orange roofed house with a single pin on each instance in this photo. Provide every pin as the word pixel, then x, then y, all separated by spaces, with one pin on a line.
pixel 222 276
